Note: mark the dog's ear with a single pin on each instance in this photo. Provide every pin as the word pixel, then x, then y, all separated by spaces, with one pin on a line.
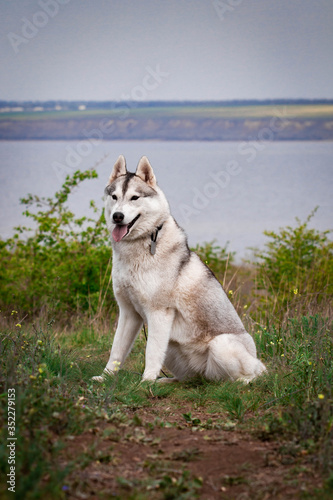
pixel 145 172
pixel 118 169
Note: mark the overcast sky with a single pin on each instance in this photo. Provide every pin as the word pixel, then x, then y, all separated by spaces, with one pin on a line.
pixel 166 49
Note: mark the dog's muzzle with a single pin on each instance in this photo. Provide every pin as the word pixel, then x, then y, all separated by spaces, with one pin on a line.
pixel 121 230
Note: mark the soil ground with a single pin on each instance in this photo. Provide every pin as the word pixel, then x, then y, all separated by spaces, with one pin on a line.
pixel 138 459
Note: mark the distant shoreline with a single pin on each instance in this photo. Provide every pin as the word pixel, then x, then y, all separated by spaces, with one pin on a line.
pixel 167 121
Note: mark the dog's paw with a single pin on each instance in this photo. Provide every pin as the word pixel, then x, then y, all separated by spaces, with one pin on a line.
pixel 147 381
pixel 167 380
pixel 148 378
pixel 245 380
pixel 102 378
pixel 98 378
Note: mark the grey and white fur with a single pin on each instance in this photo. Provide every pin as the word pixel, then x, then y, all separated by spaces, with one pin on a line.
pixel 192 326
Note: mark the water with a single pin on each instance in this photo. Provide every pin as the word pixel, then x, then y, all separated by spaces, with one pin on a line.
pixel 223 191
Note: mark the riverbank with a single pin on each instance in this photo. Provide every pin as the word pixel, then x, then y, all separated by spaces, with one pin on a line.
pixel 173 121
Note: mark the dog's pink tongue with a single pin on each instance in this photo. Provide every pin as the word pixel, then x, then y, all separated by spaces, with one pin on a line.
pixel 119 232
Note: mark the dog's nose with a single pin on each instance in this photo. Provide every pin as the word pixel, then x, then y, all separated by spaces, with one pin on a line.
pixel 118 217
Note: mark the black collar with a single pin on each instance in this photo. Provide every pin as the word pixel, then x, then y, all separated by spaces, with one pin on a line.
pixel 153 238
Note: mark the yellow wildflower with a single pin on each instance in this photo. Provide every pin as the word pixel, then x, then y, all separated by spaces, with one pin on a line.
pixel 116 365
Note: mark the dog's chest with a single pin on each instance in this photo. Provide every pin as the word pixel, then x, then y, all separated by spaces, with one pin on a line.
pixel 140 285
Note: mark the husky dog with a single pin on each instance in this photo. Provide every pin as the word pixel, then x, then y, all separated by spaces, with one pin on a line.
pixel 192 326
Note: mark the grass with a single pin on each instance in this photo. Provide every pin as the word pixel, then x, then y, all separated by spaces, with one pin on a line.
pixel 56 399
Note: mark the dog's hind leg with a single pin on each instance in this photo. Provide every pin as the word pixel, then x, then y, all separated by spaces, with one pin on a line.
pixel 229 358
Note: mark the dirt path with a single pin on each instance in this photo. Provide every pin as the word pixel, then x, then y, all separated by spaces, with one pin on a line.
pixel 139 460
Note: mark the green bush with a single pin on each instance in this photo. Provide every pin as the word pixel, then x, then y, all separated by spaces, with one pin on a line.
pixel 63 266
pixel 215 257
pixel 297 261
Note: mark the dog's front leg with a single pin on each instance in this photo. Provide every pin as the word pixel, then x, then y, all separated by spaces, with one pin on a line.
pixel 159 329
pixel 129 325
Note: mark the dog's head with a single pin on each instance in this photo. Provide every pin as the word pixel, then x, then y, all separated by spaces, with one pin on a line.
pixel 134 204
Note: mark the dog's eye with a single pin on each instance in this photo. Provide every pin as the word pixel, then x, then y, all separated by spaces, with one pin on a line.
pixel 134 198
pixel 114 197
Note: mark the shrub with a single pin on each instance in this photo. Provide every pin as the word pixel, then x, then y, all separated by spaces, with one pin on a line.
pixel 215 257
pixel 297 261
pixel 64 264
